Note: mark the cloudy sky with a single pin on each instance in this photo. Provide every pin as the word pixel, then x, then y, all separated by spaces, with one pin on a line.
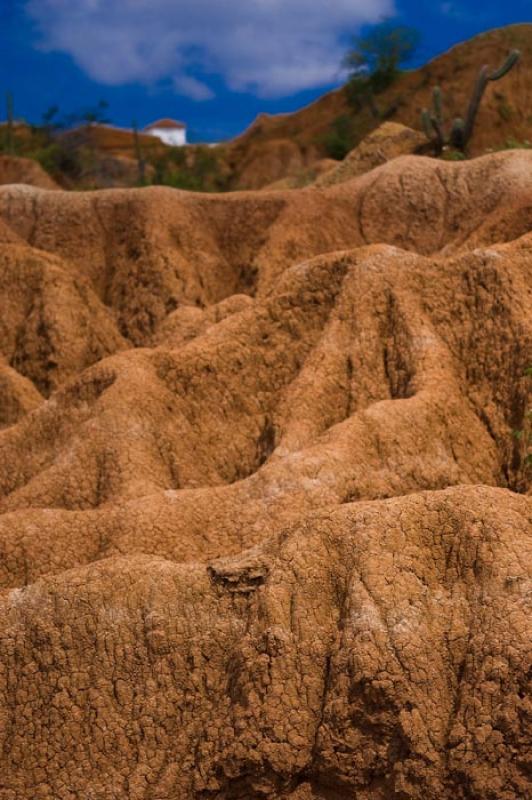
pixel 213 63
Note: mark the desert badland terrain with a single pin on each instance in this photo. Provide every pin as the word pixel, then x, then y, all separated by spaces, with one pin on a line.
pixel 264 517
pixel 290 144
pixel 265 481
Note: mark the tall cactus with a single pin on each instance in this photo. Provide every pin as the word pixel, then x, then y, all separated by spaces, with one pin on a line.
pixel 459 133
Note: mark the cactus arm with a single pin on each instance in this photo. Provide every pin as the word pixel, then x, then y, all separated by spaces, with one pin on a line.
pixel 472 111
pixel 427 124
pixel 440 135
pixel 480 87
pixel 437 129
pixel 433 123
pixel 457 134
pixel 462 130
pixel 438 106
pixel 505 68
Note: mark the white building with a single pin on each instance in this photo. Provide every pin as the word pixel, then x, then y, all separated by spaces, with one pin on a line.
pixel 169 131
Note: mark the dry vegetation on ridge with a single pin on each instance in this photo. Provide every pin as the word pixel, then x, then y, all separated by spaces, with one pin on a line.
pixel 295 148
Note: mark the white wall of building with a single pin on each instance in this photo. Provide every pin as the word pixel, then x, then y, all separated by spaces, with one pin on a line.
pixel 172 136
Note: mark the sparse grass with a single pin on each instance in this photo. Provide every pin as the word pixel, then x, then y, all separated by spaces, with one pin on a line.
pixel 514 144
pixel 197 169
pixel 71 160
pixel 453 155
pixel 505 111
pixel 55 156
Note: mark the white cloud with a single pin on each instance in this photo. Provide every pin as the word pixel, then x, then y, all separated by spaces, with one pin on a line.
pixel 192 87
pixel 271 47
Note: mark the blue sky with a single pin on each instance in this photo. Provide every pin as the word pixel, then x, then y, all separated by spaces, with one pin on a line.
pixel 212 63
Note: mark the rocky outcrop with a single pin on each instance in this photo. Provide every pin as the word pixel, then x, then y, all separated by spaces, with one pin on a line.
pixel 377 648
pixel 53 325
pixel 268 535
pixel 18 396
pixel 146 252
pixel 390 140
pixel 270 162
pixel 504 119
pixel 304 176
pixel 106 171
pixel 16 169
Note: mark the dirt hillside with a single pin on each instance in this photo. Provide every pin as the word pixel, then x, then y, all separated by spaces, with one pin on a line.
pixel 390 140
pixel 293 150
pixel 264 516
pixel 15 169
pixel 277 146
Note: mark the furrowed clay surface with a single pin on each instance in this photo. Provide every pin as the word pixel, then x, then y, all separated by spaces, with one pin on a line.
pixel 264 516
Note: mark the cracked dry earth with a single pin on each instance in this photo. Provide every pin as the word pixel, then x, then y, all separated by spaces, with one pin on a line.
pixel 264 526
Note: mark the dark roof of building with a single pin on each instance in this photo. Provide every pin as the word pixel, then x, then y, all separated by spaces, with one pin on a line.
pixel 171 124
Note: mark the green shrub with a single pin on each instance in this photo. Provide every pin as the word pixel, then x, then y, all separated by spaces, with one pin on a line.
pixel 504 111
pixel 453 155
pixel 195 168
pixel 373 62
pixel 341 138
pixel 514 144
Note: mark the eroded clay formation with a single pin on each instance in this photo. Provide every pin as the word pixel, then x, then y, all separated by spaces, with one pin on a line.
pixel 264 521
